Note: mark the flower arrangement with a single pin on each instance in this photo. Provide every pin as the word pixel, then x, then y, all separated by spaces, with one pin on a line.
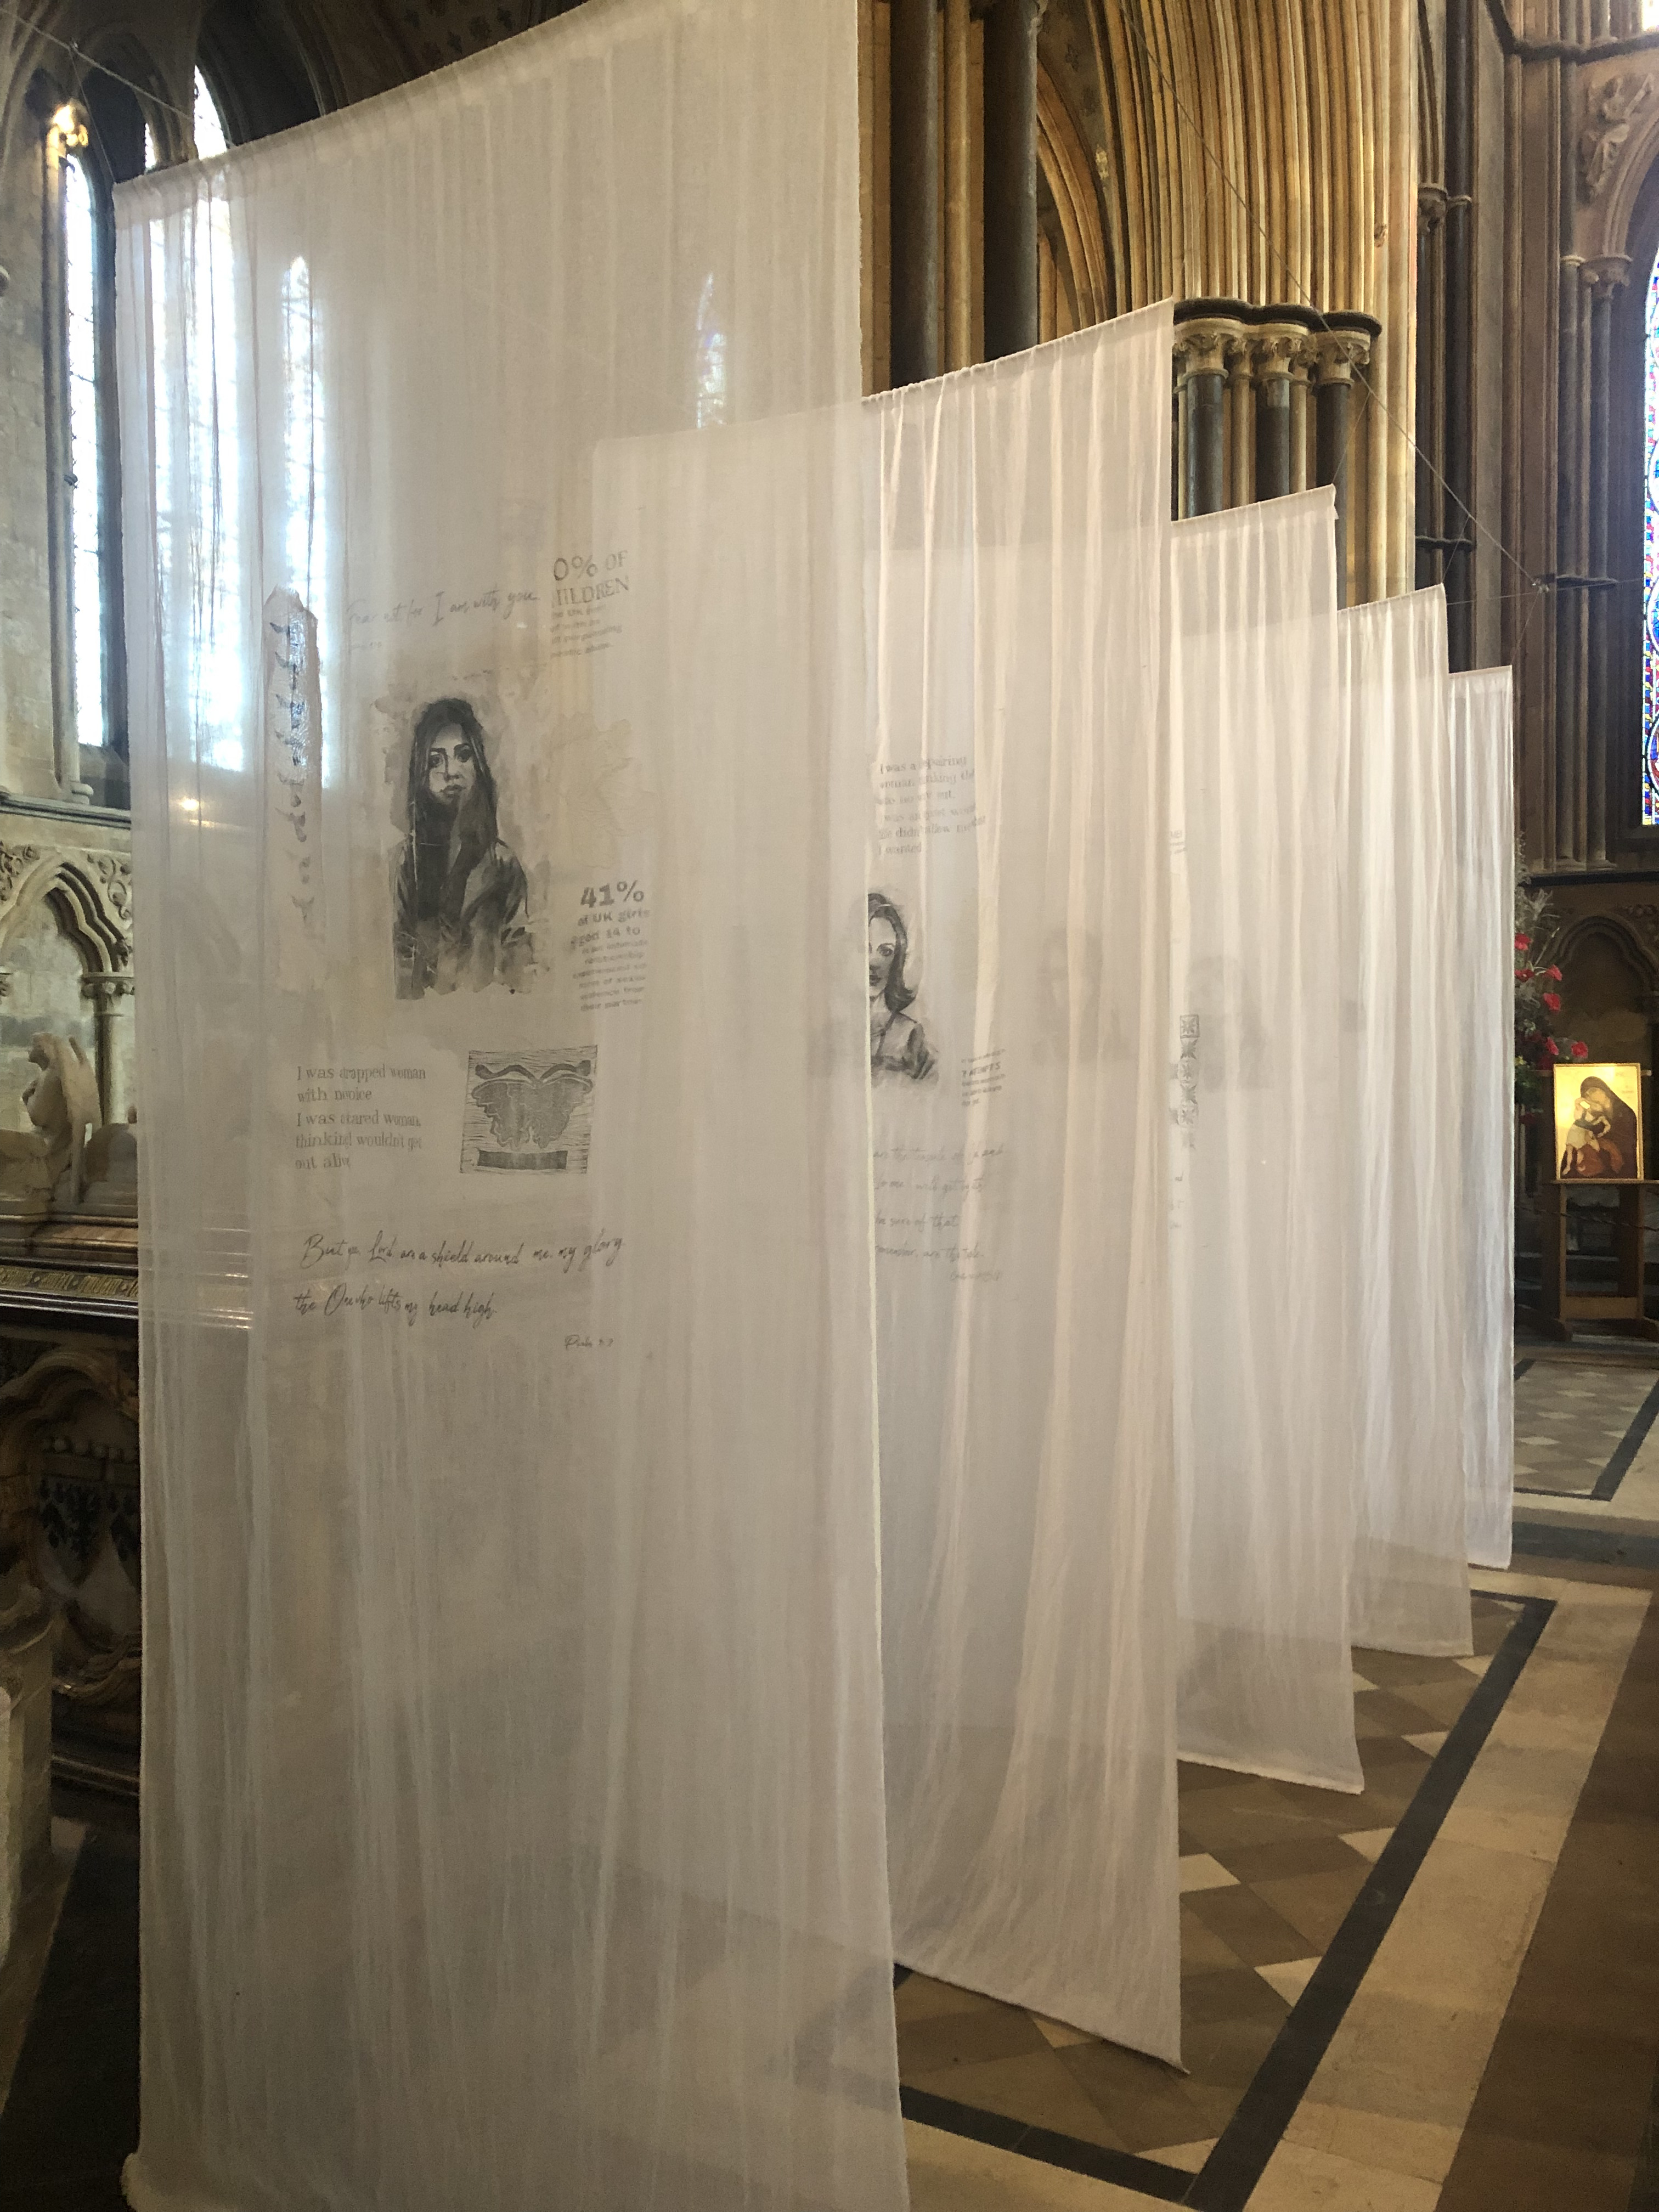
pixel 1537 999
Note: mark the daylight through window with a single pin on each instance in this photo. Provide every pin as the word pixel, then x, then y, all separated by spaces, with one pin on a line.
pixel 84 475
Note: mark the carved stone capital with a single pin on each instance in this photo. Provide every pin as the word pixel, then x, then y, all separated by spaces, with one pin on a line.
pixel 1608 274
pixel 1032 11
pixel 1338 353
pixel 1278 349
pixel 1204 347
pixel 1431 205
pixel 104 990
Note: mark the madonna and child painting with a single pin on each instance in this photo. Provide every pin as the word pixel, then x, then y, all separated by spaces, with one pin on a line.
pixel 458 898
pixel 1598 1123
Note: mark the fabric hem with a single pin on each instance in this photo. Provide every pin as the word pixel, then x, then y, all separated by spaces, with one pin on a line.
pixel 1306 1779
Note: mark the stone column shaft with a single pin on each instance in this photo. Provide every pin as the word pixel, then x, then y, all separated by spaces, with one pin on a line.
pixel 1012 303
pixel 1571 452
pixel 1340 352
pixel 1430 522
pixel 1240 410
pixel 958 173
pixel 1202 348
pixel 1458 328
pixel 1603 808
pixel 914 190
pixel 1275 347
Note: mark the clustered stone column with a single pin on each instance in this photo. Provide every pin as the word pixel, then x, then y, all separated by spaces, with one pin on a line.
pixel 1432 543
pixel 1241 388
pixel 932 138
pixel 914 190
pixel 1583 640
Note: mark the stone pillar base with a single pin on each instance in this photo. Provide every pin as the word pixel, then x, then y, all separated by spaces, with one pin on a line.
pixel 26 1653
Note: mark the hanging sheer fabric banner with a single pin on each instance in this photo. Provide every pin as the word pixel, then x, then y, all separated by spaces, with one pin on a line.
pixel 1482 763
pixel 513 1815
pixel 1404 1086
pixel 1263 1420
pixel 1017 977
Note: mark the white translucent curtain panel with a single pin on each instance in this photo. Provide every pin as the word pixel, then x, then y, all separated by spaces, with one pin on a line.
pixel 1482 761
pixel 1017 979
pixel 1403 1087
pixel 512 1819
pixel 1263 1417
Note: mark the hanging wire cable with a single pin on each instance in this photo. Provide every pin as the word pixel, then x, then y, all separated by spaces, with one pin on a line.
pixel 83 61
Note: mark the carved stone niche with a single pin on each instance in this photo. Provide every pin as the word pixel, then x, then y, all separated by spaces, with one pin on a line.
pixel 70 1537
pixel 65 964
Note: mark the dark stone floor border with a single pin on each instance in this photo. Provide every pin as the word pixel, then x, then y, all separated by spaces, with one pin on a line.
pixel 1564 2115
pixel 72 2113
pixel 1585 1542
pixel 1228 2176
pixel 1619 1465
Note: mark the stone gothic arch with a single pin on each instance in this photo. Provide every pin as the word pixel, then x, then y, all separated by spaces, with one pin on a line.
pixel 87 894
pixel 1255 154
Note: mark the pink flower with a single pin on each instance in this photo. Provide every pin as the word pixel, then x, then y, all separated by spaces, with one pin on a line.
pixel 1523 944
pixel 1579 1049
pixel 1554 974
pixel 1552 1048
pixel 1525 975
pixel 1553 1000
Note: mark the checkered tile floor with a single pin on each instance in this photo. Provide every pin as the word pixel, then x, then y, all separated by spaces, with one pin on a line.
pixel 1571 1417
pixel 1268 1870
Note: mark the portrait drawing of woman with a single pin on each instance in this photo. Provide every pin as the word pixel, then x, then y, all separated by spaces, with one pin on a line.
pixel 897 1044
pixel 458 904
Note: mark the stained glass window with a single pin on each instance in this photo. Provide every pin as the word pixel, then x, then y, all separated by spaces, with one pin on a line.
pixel 1650 571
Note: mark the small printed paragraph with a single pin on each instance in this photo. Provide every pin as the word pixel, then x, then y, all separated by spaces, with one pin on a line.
pixel 982 1077
pixel 342 1113
pixel 918 799
pixel 610 943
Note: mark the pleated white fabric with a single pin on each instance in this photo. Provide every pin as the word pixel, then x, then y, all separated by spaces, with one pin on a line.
pixel 1482 714
pixel 512 1810
pixel 1018 985
pixel 1404 1003
pixel 1264 1371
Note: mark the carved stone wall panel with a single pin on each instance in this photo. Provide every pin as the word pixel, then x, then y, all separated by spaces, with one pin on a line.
pixel 70 1536
pixel 66 955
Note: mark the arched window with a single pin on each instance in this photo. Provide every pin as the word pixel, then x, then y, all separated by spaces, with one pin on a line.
pixel 207 124
pixel 86 396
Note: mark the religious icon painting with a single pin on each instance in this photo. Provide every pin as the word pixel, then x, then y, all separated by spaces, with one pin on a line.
pixel 1598 1122
pixel 529 1112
